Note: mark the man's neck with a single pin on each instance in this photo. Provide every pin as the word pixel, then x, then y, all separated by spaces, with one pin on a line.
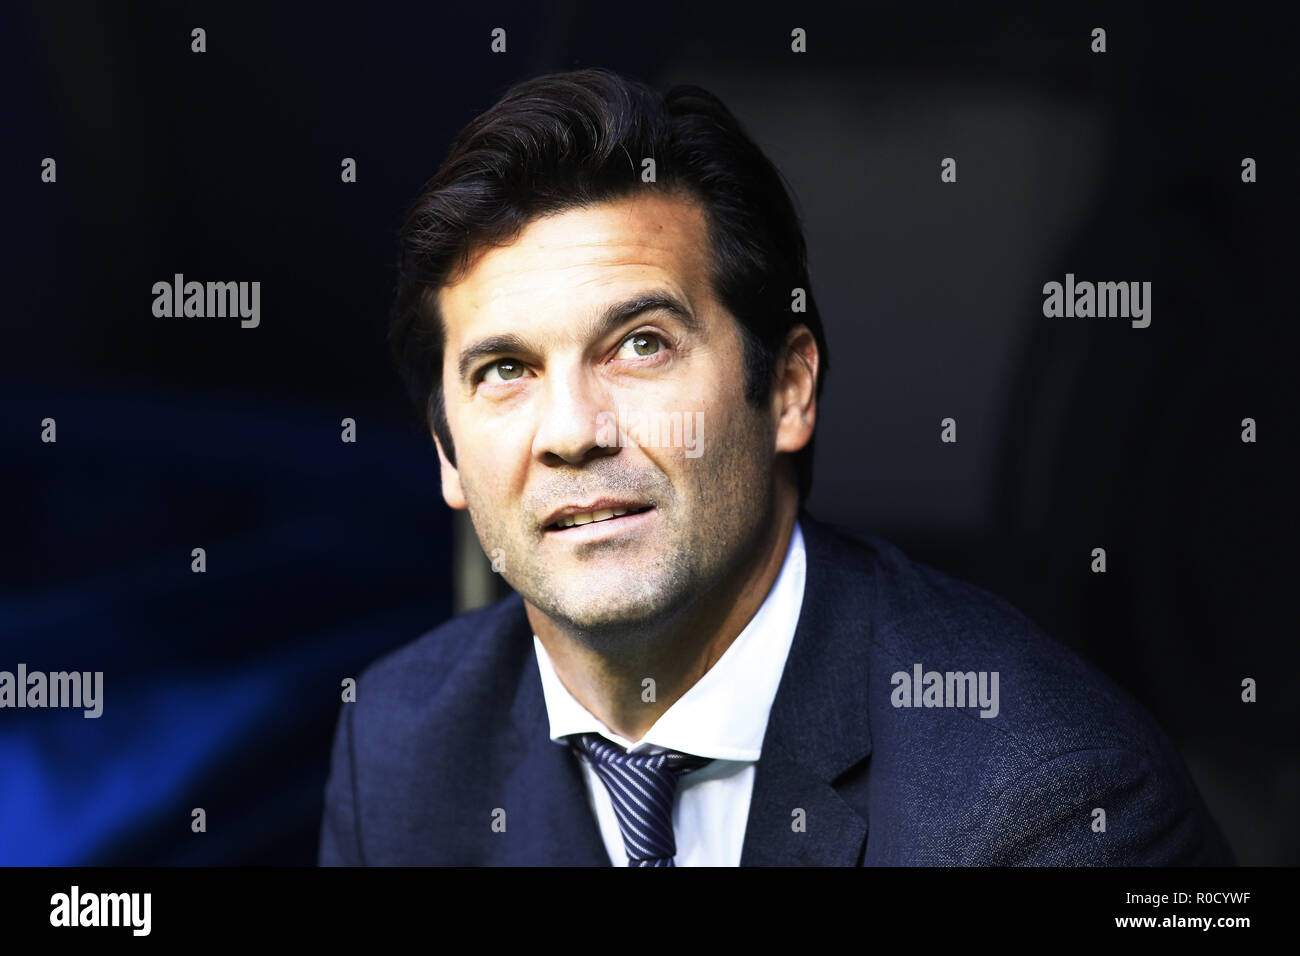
pixel 613 689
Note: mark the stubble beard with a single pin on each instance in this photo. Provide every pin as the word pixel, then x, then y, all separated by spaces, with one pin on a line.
pixel 631 616
pixel 626 612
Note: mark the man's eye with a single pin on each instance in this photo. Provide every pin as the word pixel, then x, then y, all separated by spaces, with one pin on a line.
pixel 503 371
pixel 640 345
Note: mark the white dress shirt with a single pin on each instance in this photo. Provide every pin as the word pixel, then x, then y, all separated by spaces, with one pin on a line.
pixel 723 715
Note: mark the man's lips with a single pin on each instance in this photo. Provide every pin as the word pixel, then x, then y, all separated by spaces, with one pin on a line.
pixel 621 528
pixel 595 512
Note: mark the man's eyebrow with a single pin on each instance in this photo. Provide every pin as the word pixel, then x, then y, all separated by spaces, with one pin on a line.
pixel 611 318
pixel 657 301
pixel 483 348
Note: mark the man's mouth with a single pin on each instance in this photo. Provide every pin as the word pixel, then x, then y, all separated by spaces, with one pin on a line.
pixel 573 519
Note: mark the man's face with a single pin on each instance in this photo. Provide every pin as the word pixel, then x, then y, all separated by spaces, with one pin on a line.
pixel 566 401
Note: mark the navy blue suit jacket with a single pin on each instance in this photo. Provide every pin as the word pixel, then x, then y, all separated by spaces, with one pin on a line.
pixel 452 728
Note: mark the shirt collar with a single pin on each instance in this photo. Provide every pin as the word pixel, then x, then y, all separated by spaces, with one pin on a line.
pixel 724 714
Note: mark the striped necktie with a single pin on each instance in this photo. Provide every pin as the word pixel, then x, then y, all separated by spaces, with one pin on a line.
pixel 641 788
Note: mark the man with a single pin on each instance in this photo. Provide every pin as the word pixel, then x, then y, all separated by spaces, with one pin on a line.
pixel 604 309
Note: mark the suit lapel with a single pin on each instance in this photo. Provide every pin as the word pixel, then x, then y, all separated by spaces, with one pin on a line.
pixel 818 727
pixel 797 819
pixel 548 812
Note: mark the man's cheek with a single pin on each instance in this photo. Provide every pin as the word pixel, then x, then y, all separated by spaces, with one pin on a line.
pixel 676 429
pixel 480 508
pixel 489 501
pixel 693 434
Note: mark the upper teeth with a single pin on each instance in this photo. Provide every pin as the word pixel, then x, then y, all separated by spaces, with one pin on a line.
pixel 590 516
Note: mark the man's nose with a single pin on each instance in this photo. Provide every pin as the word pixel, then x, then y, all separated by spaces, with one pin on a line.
pixel 569 419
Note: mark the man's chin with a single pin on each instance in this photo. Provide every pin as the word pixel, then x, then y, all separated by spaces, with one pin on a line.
pixel 606 608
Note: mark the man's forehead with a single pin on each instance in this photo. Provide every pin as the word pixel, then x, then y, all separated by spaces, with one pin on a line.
pixel 585 251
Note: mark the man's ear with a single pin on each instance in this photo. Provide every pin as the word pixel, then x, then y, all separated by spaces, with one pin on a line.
pixel 451 490
pixel 794 397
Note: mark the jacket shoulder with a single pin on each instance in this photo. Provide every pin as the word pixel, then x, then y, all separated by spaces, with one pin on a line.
pixel 1015 775
pixel 399 747
pixel 466 648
